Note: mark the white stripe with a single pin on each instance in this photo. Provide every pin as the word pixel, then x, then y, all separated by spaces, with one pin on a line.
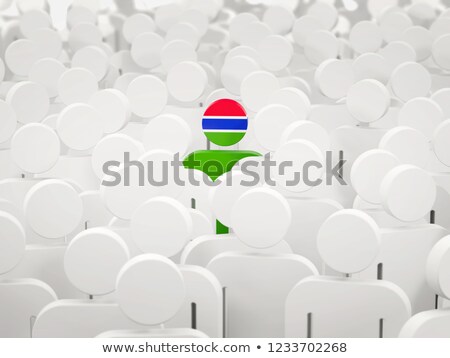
pixel 224 130
pixel 225 117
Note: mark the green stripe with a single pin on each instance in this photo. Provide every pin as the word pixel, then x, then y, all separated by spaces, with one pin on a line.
pixel 225 138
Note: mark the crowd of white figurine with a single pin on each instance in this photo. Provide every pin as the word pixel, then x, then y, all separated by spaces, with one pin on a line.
pixel 83 82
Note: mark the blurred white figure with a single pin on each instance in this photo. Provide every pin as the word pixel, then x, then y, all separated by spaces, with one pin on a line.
pixel 367 101
pixel 255 284
pixel 434 323
pixel 407 196
pixel 328 306
pixel 150 291
pixel 52 210
pixel 222 198
pixel 91 263
pixel 163 226
pixel 20 299
pixel 303 143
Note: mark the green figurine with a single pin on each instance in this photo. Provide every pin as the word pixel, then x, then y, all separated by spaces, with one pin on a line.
pixel 224 123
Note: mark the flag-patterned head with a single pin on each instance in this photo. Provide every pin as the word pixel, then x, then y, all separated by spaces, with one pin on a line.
pixel 225 122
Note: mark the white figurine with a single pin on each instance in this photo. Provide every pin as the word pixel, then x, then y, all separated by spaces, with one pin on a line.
pixel 256 284
pixel 22 299
pixel 91 263
pixel 325 306
pixel 407 195
pixel 150 291
pixel 434 323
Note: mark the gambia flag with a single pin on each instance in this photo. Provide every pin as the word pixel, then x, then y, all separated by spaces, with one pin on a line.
pixel 225 122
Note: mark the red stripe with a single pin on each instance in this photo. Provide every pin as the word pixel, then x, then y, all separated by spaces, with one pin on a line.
pixel 225 107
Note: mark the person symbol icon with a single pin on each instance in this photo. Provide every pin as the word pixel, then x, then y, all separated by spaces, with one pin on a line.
pixel 224 123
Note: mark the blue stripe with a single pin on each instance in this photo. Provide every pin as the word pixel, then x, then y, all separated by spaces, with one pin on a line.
pixel 211 123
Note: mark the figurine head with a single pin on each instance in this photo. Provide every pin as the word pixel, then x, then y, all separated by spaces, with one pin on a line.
pixel 225 122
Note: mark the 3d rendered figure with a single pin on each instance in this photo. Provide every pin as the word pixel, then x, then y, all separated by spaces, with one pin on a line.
pixel 21 299
pixel 256 284
pixel 224 123
pixel 407 195
pixel 51 210
pixel 326 306
pixel 96 279
pixel 433 323
pixel 150 291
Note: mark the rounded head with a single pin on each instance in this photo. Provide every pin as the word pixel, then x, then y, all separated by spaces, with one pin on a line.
pixel 224 196
pixel 368 172
pixel 79 126
pixel 162 226
pixel 300 154
pixel 92 58
pixel 408 144
pixel 422 114
pixel 261 218
pixel 146 49
pixel 368 100
pixel 47 71
pixel 309 131
pixel 114 147
pixel 169 132
pixel 35 148
pixel 410 80
pixel 270 123
pixel 393 23
pixel 294 99
pixel 113 107
pixel 93 260
pixel 53 208
pixel 137 24
pixel 256 89
pixel 176 51
pixel 334 78
pixel 187 81
pixel 183 31
pixel 320 46
pixel 348 241
pixel 160 172
pixel 326 13
pixel 150 289
pixel 408 193
pixel 225 122
pixel 235 69
pixel 372 65
pixel 29 100
pixel 398 52
pixel 12 242
pixel 20 56
pixel 147 95
pixel 303 27
pixel 279 18
pixel 438 267
pixel 275 52
pixel 420 38
pixel 76 85
pixel 365 36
